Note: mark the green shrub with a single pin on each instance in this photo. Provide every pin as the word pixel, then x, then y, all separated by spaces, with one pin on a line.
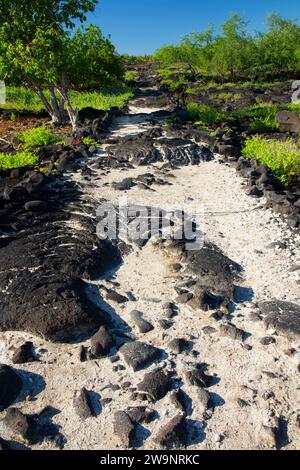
pixel 259 117
pixel 174 84
pixel 9 161
pixel 130 75
pixel 38 136
pixel 205 114
pixel 89 141
pixel 282 157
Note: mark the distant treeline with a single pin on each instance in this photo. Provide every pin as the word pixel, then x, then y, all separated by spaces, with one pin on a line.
pixel 236 54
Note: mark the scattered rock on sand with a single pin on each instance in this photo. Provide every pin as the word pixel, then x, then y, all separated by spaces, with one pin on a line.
pixel 23 354
pixel 170 310
pixel 139 355
pixel 283 316
pixel 82 404
pixel 184 298
pixel 140 414
pixel 10 386
pixel 203 399
pixel 155 385
pixel 143 325
pixel 178 345
pixel 231 331
pixel 21 424
pixel 197 377
pixel 172 434
pixel 267 340
pixel 209 330
pixel 165 324
pixel 101 343
pixel 115 297
pixel 124 428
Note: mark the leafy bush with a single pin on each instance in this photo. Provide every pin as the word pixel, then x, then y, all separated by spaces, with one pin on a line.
pixel 130 75
pixel 9 161
pixel 38 136
pixel 89 141
pixel 282 157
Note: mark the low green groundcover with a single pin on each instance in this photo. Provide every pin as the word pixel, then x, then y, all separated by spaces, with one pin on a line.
pixel 9 161
pixel 282 157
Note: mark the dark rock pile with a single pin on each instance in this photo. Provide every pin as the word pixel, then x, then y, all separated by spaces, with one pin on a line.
pixel 261 181
pixel 209 275
pixel 48 245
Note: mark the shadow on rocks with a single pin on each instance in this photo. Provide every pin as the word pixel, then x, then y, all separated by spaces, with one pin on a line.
pixel 47 429
pixel 95 402
pixel 196 432
pixel 216 399
pixel 243 294
pixel 141 434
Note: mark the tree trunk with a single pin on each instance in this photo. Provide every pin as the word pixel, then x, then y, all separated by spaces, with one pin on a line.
pixel 73 112
pixel 58 117
pixel 57 109
pixel 51 108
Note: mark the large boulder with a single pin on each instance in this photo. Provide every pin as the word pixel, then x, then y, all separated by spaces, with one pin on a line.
pixel 53 305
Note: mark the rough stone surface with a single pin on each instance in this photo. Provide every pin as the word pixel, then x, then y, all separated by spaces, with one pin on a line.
pixel 101 343
pixel 82 404
pixel 23 354
pixel 231 331
pixel 124 428
pixel 172 434
pixel 197 377
pixel 21 424
pixel 178 345
pixel 139 355
pixel 178 399
pixel 283 316
pixel 140 414
pixel 143 325
pixel 39 295
pixel 155 385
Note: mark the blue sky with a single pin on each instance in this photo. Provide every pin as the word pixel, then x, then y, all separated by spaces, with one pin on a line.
pixel 141 26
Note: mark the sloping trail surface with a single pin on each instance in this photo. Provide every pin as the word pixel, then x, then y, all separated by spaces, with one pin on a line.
pixel 232 378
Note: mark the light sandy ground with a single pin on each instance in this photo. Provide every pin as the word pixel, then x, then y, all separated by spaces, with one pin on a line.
pixel 244 230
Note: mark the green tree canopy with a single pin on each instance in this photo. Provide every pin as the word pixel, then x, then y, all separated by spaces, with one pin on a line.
pixel 235 53
pixel 37 48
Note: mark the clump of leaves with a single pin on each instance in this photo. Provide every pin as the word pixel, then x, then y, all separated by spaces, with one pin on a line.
pixel 282 157
pixel 38 136
pixel 130 75
pixel 89 141
pixel 9 161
